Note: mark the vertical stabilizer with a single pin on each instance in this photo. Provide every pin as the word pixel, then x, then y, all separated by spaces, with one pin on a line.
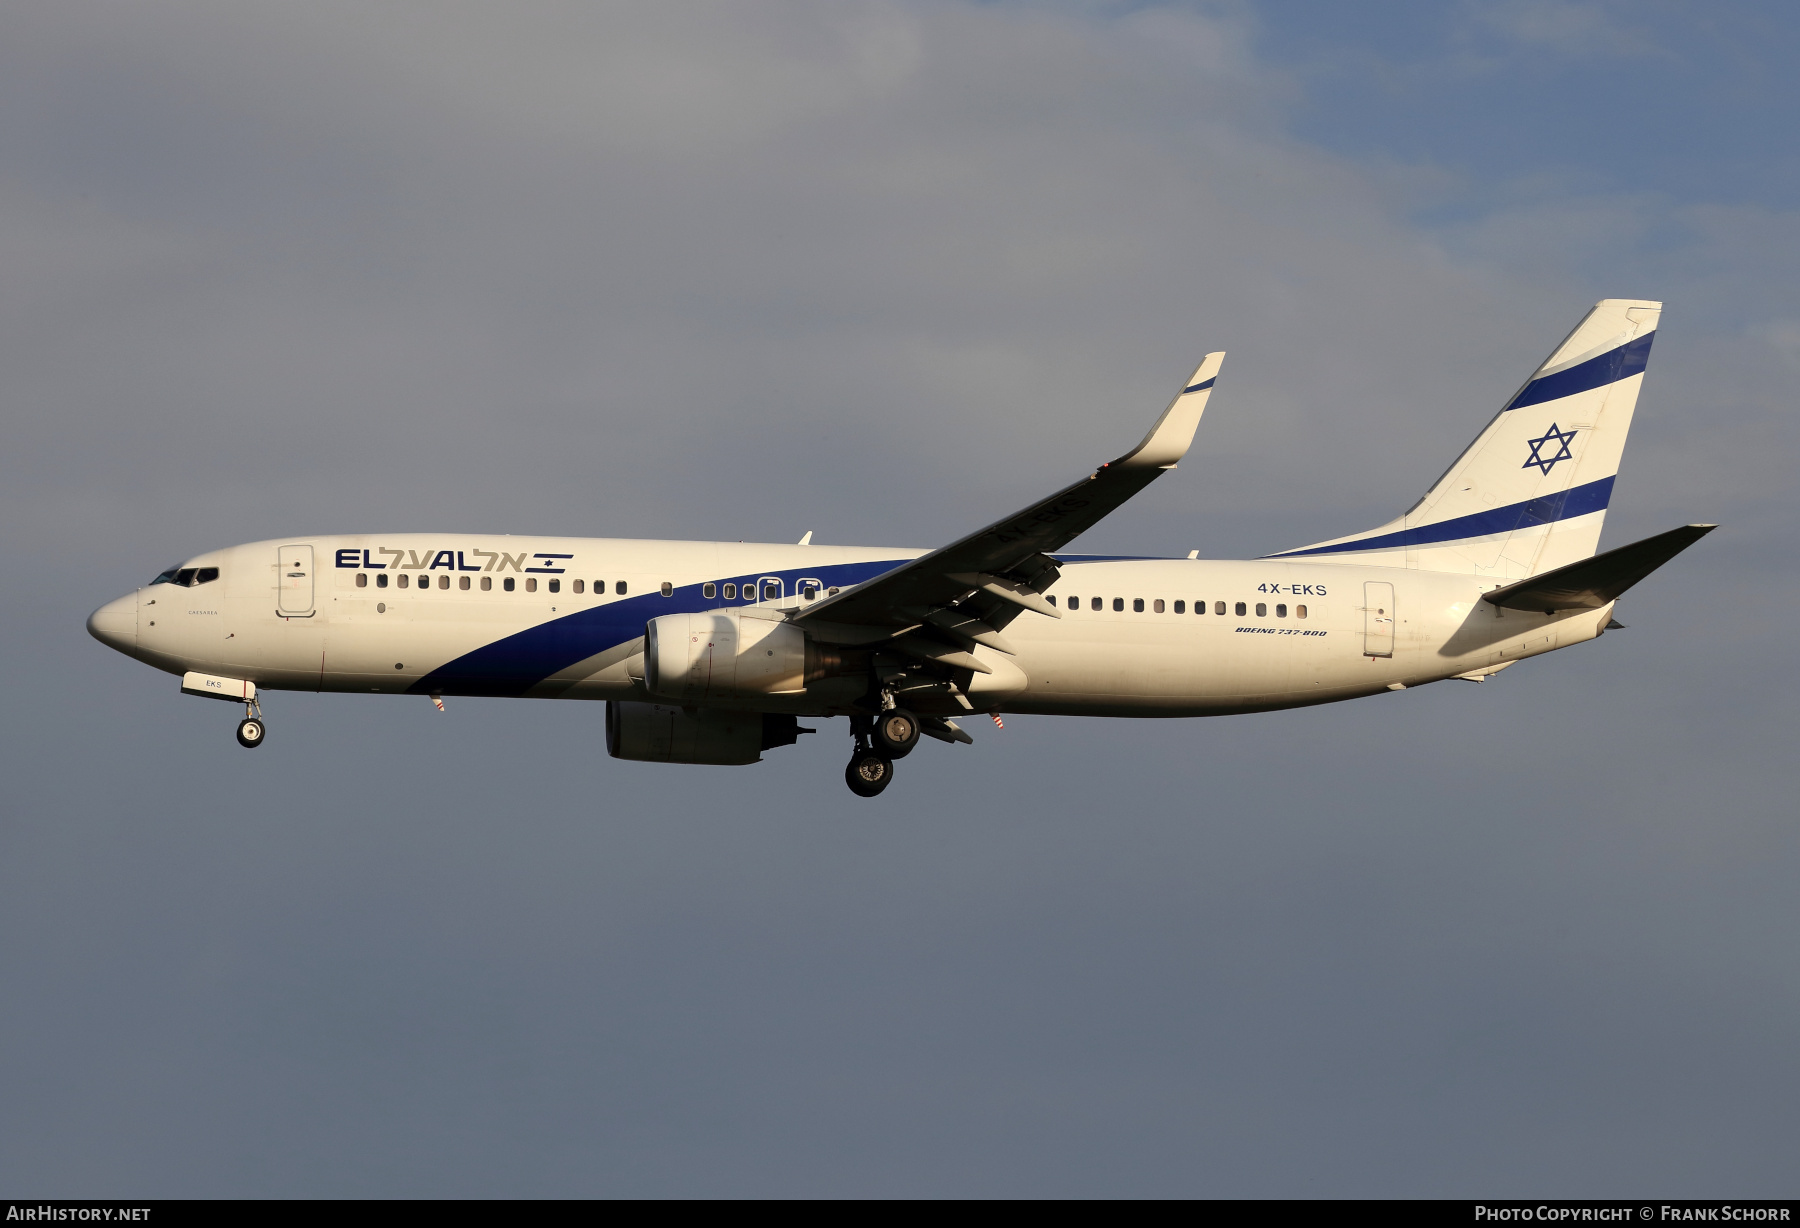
pixel 1530 493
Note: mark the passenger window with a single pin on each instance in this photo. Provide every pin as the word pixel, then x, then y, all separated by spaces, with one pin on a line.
pixel 731 592
pixel 1241 609
pixel 1299 611
pixel 1219 607
pixel 401 580
pixel 506 584
pixel 1158 606
pixel 1262 610
pixel 619 588
pixel 831 592
pixel 1181 607
pixel 709 590
pixel 1094 603
pixel 577 587
pixel 556 586
pixel 487 584
pixel 809 590
pixel 362 579
pixel 771 590
pixel 462 582
pixel 381 580
pixel 1137 605
pixel 668 590
pixel 206 575
pixel 531 584
pixel 443 581
pixel 599 588
pixel 1280 611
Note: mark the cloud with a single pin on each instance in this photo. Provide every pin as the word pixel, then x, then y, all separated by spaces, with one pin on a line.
pixel 1573 28
pixel 485 246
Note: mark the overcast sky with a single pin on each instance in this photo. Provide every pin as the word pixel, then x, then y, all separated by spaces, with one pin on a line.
pixel 886 271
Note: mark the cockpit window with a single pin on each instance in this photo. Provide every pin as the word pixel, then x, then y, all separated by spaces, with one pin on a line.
pixel 188 577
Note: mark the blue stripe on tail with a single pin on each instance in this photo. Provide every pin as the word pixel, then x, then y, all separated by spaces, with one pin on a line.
pixel 1564 505
pixel 1597 372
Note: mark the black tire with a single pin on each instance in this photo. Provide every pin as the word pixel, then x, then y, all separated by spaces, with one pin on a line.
pixel 251 732
pixel 869 773
pixel 896 733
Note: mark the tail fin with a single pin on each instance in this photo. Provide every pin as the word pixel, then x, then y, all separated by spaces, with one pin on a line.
pixel 1530 493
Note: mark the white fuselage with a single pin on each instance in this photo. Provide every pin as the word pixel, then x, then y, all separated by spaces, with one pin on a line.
pixel 564 618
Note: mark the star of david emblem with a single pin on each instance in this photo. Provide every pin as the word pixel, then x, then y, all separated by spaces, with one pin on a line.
pixel 1541 458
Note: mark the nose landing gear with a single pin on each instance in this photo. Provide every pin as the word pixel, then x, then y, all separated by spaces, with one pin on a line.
pixel 250 730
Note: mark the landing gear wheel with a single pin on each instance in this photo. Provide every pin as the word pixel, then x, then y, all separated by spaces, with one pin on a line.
pixel 868 773
pixel 896 733
pixel 250 732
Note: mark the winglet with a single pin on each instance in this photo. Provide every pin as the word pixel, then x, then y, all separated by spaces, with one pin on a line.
pixel 1169 440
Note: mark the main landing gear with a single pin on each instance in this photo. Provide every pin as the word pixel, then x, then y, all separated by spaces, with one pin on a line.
pixel 869 772
pixel 250 730
pixel 880 740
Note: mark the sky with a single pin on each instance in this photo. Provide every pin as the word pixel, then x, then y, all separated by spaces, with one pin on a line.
pixel 886 271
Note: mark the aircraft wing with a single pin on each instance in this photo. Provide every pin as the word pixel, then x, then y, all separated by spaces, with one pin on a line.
pixel 964 593
pixel 1589 584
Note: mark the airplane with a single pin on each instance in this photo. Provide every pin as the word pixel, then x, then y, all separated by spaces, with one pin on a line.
pixel 713 652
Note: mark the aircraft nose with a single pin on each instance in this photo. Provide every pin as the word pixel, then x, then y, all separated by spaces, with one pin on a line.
pixel 115 623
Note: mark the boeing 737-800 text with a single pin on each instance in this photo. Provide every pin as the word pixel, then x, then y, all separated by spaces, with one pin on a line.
pixel 712 652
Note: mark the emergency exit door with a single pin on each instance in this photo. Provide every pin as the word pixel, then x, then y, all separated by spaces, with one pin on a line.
pixel 1378 619
pixel 294 583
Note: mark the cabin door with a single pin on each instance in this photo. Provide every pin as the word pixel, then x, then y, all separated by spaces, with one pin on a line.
pixel 294 581
pixel 1378 619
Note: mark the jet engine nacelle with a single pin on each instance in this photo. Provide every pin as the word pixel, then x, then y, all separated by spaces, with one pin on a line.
pixel 667 733
pixel 723 654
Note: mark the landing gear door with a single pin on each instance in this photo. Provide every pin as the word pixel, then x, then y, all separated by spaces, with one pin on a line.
pixel 1378 619
pixel 294 582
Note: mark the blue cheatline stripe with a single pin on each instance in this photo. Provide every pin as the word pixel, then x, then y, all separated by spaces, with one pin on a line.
pixel 1565 505
pixel 1202 386
pixel 1597 372
pixel 515 664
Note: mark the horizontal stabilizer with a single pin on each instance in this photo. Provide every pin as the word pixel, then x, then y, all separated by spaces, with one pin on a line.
pixel 1592 583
